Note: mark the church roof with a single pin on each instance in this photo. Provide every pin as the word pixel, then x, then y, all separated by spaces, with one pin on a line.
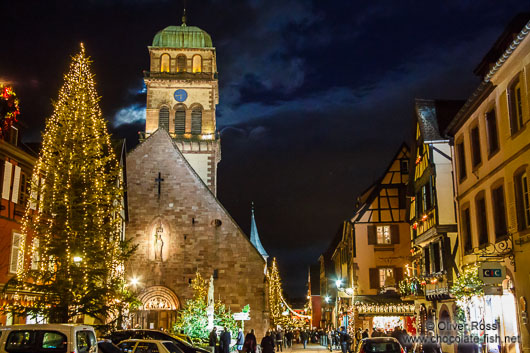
pixel 182 37
pixel 254 236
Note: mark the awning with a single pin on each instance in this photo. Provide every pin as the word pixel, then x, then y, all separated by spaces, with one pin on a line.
pixel 382 305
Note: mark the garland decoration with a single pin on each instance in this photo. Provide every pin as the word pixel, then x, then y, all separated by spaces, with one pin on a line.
pixel 9 109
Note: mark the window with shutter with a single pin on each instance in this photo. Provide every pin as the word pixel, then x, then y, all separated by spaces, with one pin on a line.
pixel 522 200
pixel 196 121
pixel 385 273
pixel 16 247
pixel 398 273
pixel 16 185
pixel 6 189
pixel 499 211
pixel 515 106
pixel 493 134
pixel 163 118
pixel 426 260
pixel 180 121
pixel 475 146
pixel 383 235
pixel 436 257
pixel 482 220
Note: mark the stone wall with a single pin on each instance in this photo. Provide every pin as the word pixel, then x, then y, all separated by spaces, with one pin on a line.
pixel 199 234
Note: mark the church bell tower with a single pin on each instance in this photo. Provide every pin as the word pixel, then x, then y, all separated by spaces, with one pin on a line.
pixel 182 93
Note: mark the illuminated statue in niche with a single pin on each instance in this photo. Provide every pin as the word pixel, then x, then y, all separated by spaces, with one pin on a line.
pixel 159 243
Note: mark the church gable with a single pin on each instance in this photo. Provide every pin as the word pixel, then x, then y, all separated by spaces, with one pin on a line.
pixel 181 228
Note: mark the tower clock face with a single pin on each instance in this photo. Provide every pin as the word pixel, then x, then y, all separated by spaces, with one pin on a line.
pixel 180 95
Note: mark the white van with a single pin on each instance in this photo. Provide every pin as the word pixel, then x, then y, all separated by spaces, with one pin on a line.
pixel 51 338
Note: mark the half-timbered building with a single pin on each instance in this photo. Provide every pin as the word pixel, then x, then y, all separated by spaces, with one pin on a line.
pixel 381 247
pixel 432 217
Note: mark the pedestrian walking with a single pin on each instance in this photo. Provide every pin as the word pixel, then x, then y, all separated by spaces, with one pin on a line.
pixel 267 343
pixel 224 341
pixel 330 339
pixel 240 340
pixel 344 338
pixel 304 336
pixel 212 344
pixel 279 341
pixel 250 342
pixel 366 334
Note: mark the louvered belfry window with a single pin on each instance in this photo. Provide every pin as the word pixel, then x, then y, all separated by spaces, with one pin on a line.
pixel 196 121
pixel 181 63
pixel 163 118
pixel 180 121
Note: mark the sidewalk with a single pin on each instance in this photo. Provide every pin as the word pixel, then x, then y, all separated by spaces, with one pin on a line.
pixel 311 348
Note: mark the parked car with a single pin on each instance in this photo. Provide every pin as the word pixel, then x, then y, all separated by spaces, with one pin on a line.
pixel 379 345
pixel 148 346
pixel 57 338
pixel 122 335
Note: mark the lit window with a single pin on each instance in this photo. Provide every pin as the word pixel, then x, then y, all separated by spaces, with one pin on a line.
pixel 164 63
pixel 383 235
pixel 197 64
pixel 516 106
pixel 384 275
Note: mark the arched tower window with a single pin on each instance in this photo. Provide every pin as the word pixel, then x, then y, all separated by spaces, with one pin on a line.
pixel 181 63
pixel 197 63
pixel 196 121
pixel 164 63
pixel 180 120
pixel 163 118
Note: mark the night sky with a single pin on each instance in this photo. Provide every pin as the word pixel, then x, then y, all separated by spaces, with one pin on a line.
pixel 315 96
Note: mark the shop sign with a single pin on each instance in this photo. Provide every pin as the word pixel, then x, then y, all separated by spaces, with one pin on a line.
pixel 492 272
pixel 241 316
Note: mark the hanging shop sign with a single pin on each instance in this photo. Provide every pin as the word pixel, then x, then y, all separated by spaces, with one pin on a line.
pixel 492 290
pixel 492 273
pixel 242 316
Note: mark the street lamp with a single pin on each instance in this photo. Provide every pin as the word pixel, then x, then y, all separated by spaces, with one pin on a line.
pixel 77 260
pixel 338 283
pixel 327 299
pixel 134 281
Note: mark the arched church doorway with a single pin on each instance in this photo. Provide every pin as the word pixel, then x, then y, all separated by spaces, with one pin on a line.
pixel 158 310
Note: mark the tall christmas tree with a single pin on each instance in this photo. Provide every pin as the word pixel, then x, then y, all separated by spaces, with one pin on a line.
pixel 72 225
pixel 277 304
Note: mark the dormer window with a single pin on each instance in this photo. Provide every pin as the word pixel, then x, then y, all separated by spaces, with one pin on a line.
pixel 164 63
pixel 181 63
pixel 197 63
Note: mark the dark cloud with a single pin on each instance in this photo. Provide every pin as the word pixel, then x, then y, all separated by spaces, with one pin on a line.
pixel 315 97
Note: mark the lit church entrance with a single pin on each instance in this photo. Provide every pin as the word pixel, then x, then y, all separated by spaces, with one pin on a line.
pixel 158 310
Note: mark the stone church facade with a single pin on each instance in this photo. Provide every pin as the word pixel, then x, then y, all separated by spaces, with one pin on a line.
pixel 174 216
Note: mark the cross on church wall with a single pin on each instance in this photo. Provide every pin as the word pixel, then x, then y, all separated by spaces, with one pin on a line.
pixel 159 180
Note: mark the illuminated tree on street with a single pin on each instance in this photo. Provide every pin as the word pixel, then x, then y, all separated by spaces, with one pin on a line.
pixel 72 226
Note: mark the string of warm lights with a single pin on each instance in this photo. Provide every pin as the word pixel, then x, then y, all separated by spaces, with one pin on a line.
pixel 74 210
pixel 277 304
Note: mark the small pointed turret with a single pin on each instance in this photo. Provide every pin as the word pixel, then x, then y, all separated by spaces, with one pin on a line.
pixel 254 236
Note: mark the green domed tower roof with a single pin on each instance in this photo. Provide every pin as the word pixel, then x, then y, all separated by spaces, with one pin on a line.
pixel 182 37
